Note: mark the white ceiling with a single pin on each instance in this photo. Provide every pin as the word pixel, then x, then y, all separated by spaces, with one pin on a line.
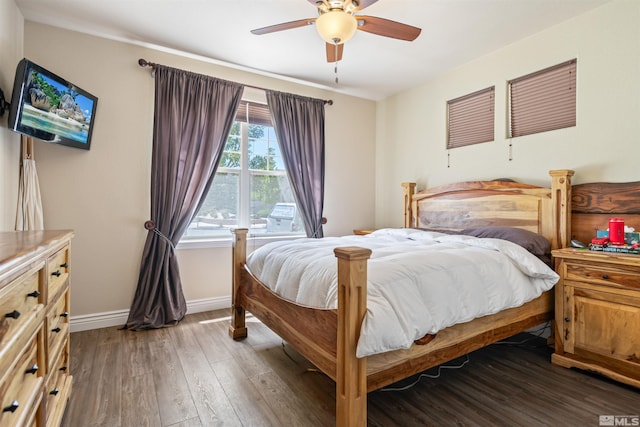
pixel 373 67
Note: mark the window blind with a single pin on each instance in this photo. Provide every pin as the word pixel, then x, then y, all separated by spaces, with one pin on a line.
pixel 470 118
pixel 254 113
pixel 544 100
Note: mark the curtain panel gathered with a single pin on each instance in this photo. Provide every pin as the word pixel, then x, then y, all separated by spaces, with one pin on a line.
pixel 299 125
pixel 29 215
pixel 192 118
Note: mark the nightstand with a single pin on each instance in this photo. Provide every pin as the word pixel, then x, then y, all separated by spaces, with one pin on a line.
pixel 361 232
pixel 597 313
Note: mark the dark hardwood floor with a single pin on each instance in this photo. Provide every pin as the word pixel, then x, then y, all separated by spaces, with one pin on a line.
pixel 195 375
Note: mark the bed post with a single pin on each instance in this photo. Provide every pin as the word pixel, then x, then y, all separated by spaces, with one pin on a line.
pixel 351 372
pixel 561 200
pixel 408 190
pixel 237 328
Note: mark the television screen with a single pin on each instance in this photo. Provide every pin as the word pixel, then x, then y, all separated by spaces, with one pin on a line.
pixel 48 107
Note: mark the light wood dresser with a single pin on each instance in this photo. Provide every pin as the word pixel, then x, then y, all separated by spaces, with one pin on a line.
pixel 34 327
pixel 597 313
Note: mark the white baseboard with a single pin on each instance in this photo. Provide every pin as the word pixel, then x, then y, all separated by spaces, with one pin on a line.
pixel 108 319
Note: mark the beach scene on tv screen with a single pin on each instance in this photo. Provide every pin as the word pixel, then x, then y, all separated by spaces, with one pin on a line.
pixel 54 108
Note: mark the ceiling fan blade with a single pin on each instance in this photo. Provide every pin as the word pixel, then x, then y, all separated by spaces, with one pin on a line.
pixel 387 28
pixel 283 26
pixel 331 52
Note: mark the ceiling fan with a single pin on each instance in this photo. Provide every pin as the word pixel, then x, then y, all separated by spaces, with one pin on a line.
pixel 337 22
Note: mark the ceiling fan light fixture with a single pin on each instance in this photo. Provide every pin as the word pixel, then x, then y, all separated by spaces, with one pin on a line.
pixel 336 26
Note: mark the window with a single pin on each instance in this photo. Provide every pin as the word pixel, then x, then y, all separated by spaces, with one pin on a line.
pixel 470 118
pixel 251 188
pixel 544 100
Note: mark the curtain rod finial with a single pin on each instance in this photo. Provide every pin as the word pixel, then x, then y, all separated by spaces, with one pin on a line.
pixel 145 63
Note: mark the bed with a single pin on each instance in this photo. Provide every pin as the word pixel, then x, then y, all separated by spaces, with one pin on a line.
pixel 328 337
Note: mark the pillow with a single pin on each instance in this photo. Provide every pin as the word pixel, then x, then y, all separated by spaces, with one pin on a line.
pixel 533 242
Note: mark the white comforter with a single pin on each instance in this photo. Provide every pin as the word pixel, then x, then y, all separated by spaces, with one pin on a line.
pixel 418 282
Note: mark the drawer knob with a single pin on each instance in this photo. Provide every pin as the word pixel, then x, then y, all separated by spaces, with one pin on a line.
pixel 34 294
pixel 64 314
pixel 567 319
pixel 32 370
pixel 56 330
pixel 14 314
pixel 56 273
pixel 605 276
pixel 11 408
pixel 63 368
pixel 55 391
pixel 64 265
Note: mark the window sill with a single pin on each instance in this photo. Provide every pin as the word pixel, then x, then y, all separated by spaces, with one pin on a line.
pixel 226 242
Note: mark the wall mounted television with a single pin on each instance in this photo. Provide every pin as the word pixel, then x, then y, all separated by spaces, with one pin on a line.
pixel 47 107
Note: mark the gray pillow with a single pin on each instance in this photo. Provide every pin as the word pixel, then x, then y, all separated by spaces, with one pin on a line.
pixel 533 242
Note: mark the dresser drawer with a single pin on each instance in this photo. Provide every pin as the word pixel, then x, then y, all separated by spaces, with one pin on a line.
pixel 58 272
pixel 20 310
pixel 604 275
pixel 58 387
pixel 22 391
pixel 57 328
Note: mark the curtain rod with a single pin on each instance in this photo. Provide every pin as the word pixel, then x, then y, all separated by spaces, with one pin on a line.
pixel 145 63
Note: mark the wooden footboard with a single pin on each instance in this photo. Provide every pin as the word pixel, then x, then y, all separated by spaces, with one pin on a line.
pixel 328 338
pixel 312 332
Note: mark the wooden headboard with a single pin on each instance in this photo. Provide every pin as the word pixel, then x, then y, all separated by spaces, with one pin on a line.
pixel 593 204
pixel 454 207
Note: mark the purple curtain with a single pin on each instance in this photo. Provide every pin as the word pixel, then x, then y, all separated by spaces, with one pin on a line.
pixel 299 125
pixel 193 116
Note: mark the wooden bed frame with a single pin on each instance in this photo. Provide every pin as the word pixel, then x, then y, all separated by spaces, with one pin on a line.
pixel 328 338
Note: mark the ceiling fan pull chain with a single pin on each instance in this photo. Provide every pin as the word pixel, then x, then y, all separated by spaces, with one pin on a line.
pixel 335 68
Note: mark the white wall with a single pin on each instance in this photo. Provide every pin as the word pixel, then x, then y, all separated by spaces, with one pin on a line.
pixel 604 146
pixel 103 194
pixel 11 30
